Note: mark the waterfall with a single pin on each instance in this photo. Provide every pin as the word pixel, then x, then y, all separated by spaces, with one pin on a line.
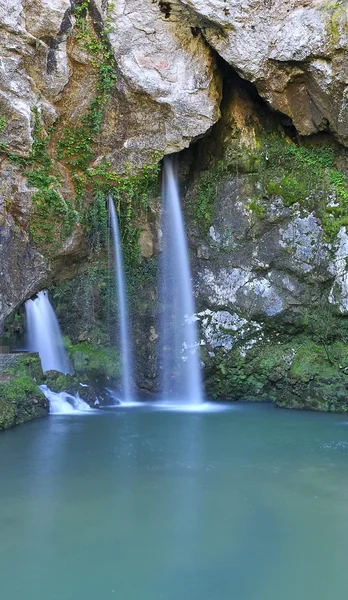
pixel 123 319
pixel 44 335
pixel 62 403
pixel 181 373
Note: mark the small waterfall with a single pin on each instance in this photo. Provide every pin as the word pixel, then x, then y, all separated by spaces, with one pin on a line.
pixel 181 364
pixel 62 403
pixel 123 319
pixel 44 335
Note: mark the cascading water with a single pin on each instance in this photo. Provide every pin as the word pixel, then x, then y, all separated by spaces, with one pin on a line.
pixel 181 373
pixel 62 403
pixel 123 318
pixel 44 335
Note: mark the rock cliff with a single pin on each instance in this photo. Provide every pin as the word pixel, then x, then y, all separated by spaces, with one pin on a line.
pixel 119 84
pixel 93 94
pixel 267 220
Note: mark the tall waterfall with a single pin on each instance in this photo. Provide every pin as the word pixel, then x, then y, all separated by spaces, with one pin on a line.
pixel 123 318
pixel 181 374
pixel 44 335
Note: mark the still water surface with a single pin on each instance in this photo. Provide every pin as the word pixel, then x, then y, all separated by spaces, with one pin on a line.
pixel 147 504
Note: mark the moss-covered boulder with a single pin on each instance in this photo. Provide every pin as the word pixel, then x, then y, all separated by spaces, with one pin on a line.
pixel 20 401
pixel 298 373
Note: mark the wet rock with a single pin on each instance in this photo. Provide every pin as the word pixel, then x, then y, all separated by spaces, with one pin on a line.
pixel 21 400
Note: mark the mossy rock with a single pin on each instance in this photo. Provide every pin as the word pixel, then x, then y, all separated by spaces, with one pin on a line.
pixel 8 413
pixel 300 374
pixel 94 362
pixel 58 382
pixel 21 400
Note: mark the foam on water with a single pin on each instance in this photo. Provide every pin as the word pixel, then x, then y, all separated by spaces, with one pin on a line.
pixel 202 407
pixel 62 403
pixel 117 401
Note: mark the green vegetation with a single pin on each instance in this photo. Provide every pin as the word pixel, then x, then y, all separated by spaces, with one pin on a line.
pixel 257 207
pixel 20 401
pixel 132 193
pixel 93 362
pixel 7 413
pixel 234 160
pixel 337 10
pixel 3 145
pixel 307 176
pixel 82 305
pixel 27 366
pixel 76 145
pixel 207 188
pixel 19 389
pixel 52 218
pixel 300 373
pixel 86 309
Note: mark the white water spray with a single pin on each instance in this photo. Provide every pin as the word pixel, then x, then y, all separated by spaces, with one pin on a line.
pixel 62 403
pixel 44 335
pixel 181 378
pixel 123 318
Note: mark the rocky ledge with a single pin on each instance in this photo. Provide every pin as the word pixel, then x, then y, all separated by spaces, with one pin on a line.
pixel 20 398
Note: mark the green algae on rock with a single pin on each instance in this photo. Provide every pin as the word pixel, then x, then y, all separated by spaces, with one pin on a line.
pixel 20 401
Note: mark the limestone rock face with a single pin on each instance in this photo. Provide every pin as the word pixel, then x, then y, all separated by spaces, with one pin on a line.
pixel 163 62
pixel 167 92
pixel 295 51
pixel 260 270
pixel 265 258
pixel 269 250
pixel 22 269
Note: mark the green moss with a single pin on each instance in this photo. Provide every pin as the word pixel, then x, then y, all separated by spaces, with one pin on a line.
pixel 300 173
pixel 289 188
pixel 76 146
pixel 27 366
pixel 13 328
pixel 307 176
pixel 3 122
pixel 19 389
pixel 8 412
pixel 132 193
pixel 296 374
pixel 256 206
pixel 52 218
pixel 94 362
pixel 20 401
pixel 82 305
pixel 207 189
pixel 338 18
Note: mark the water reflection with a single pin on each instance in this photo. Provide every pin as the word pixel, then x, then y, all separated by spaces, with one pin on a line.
pixel 157 504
